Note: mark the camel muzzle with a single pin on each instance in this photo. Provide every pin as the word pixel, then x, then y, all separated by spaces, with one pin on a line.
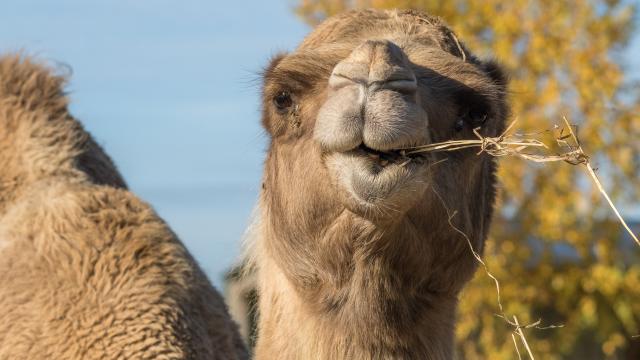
pixel 372 100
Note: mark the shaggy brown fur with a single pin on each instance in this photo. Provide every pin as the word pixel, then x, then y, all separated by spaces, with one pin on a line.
pixel 87 270
pixel 355 255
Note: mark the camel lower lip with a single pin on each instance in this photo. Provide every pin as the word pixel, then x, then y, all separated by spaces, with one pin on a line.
pixel 370 181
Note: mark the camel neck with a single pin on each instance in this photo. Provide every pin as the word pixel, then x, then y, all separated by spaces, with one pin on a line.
pixel 375 319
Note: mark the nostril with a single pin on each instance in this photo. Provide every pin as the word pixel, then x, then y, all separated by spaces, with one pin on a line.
pixel 338 81
pixel 377 64
pixel 408 86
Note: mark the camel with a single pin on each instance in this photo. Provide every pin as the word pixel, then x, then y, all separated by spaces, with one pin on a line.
pixel 361 246
pixel 87 270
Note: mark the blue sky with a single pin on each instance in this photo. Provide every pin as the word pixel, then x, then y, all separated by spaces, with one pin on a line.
pixel 170 89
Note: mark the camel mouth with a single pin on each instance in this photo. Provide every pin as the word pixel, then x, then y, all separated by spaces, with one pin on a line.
pixel 375 179
pixel 391 156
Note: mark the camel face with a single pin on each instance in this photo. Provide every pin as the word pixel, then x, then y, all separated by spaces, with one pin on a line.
pixel 346 106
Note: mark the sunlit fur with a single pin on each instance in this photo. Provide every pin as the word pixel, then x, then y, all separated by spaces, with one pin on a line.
pixel 371 268
pixel 87 270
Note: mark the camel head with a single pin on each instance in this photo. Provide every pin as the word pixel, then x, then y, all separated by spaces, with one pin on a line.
pixel 343 111
pixel 345 108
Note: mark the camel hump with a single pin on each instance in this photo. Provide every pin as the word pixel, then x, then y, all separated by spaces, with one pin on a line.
pixel 38 136
pixel 33 84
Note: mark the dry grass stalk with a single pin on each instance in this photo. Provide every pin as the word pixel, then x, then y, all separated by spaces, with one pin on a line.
pixel 508 144
pixel 515 344
pixel 517 328
pixel 524 340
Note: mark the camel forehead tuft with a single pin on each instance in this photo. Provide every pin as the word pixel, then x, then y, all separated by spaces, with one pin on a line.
pixel 358 25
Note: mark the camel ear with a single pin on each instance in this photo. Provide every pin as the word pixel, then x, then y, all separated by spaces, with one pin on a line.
pixel 496 73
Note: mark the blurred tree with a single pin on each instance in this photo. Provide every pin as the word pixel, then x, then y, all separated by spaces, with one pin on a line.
pixel 557 250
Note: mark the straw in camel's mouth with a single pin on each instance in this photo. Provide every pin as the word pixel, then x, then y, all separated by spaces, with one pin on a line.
pixel 374 178
pixel 393 156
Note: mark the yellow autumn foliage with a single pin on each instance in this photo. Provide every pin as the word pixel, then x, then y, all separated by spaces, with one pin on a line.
pixel 556 248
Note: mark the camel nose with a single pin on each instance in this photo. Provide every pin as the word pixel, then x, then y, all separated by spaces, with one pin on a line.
pixel 372 99
pixel 376 64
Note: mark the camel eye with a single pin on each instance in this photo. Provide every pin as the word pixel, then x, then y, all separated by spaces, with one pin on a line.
pixel 477 118
pixel 459 125
pixel 471 118
pixel 283 101
pixel 474 109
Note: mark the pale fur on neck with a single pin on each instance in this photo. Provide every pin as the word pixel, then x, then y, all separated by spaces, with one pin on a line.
pixel 294 328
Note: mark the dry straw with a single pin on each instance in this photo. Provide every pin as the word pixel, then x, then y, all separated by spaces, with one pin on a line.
pixel 509 144
pixel 528 148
